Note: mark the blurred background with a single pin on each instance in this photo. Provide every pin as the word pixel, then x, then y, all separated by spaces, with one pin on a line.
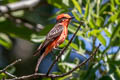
pixel 24 24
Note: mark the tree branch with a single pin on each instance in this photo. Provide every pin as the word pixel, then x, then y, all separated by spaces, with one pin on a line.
pixel 83 63
pixel 10 65
pixel 62 51
pixel 19 5
pixel 37 75
pixel 26 23
pixel 7 73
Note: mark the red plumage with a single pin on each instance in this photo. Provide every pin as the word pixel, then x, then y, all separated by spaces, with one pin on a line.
pixel 54 38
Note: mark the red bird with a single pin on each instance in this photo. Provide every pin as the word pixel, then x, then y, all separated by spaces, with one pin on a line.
pixel 55 37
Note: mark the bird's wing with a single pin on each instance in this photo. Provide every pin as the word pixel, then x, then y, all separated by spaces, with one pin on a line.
pixel 54 33
pixel 51 36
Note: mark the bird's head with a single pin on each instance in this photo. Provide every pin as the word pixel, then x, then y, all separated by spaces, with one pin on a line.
pixel 64 18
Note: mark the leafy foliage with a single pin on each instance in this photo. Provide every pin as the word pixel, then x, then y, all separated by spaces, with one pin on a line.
pixel 101 24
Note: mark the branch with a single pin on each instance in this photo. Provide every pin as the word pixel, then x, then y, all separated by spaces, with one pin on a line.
pixel 10 65
pixel 83 63
pixel 19 5
pixel 26 23
pixel 62 51
pixel 37 75
pixel 7 73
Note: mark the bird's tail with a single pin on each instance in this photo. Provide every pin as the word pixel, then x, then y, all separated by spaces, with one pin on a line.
pixel 39 61
pixel 40 51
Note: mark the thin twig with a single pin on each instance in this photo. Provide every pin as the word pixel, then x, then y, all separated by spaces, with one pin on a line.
pixel 83 63
pixel 9 74
pixel 62 51
pixel 36 75
pixel 10 65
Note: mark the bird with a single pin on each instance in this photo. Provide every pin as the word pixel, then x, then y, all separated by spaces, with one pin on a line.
pixel 54 38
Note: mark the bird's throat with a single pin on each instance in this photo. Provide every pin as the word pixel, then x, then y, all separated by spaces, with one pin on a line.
pixel 66 23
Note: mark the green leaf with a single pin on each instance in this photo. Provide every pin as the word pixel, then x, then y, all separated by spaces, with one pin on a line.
pixel 115 37
pixel 87 9
pixel 10 1
pixel 114 17
pixel 65 66
pixel 37 39
pixel 45 79
pixel 66 56
pixel 46 29
pixel 104 8
pixel 5 41
pixel 112 5
pixel 77 41
pixel 107 33
pixel 117 2
pixel 94 32
pixel 59 12
pixel 75 24
pixel 73 45
pixel 76 4
pixel 2 19
pixel 56 3
pixel 66 2
pixel 117 72
pixel 82 44
pixel 99 22
pixel 75 14
pixel 2 75
pixel 61 4
pixel 72 29
pixel 91 69
pixel 11 70
pixel 19 13
pixel 92 24
pixel 15 31
pixel 70 65
pixel 65 77
pixel 116 41
pixel 105 78
pixel 97 33
pixel 101 39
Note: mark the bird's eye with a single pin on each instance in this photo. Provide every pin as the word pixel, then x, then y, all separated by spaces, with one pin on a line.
pixel 62 19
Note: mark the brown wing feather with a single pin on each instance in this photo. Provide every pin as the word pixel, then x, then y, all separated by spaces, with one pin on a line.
pixel 51 36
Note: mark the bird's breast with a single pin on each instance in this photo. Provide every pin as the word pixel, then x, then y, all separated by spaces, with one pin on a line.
pixel 62 37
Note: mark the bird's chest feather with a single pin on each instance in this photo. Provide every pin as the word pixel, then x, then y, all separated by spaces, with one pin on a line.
pixel 63 36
